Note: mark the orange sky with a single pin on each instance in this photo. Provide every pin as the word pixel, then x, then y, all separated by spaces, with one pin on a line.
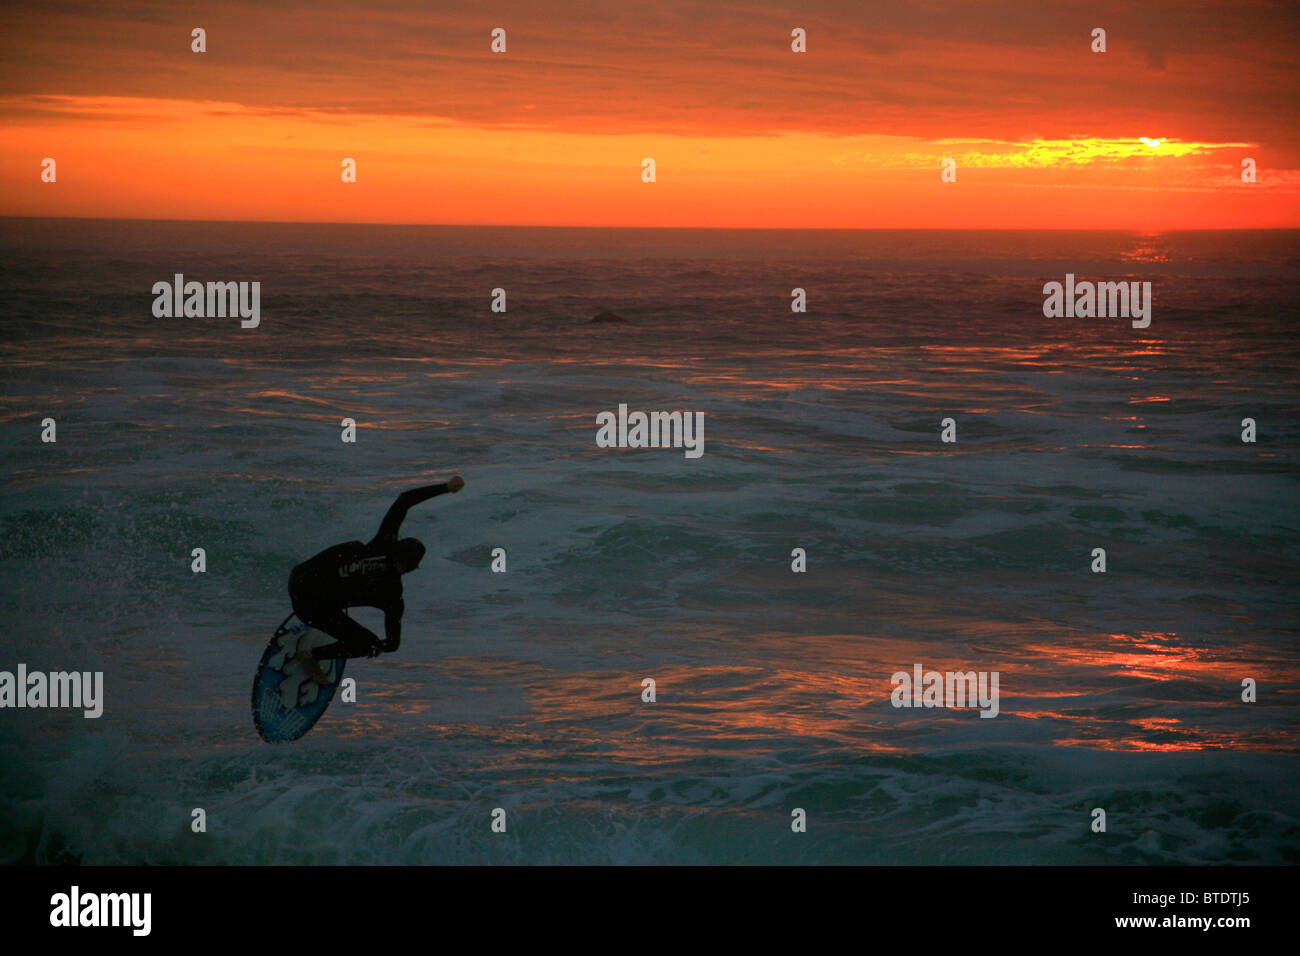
pixel 851 134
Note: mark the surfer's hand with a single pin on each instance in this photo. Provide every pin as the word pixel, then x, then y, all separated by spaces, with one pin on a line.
pixel 456 483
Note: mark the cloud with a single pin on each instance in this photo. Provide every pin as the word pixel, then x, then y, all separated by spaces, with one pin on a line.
pixel 993 68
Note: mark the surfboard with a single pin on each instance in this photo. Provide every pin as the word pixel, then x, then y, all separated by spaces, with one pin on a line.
pixel 286 702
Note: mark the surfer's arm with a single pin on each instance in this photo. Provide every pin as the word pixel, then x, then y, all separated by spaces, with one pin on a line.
pixel 409 499
pixel 393 626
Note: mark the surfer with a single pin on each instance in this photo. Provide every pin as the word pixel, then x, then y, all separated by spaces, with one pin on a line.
pixel 354 574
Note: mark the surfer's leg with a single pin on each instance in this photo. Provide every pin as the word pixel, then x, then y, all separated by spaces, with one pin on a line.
pixel 354 640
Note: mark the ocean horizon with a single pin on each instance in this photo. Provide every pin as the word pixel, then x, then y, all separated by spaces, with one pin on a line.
pixel 823 432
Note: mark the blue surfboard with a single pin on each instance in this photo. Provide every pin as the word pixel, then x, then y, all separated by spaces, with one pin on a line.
pixel 286 702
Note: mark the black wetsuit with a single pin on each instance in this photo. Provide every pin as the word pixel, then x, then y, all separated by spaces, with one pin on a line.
pixel 353 574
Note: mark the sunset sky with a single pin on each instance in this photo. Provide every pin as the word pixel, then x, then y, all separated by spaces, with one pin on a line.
pixel 745 133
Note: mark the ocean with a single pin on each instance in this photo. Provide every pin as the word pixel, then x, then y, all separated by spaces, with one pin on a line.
pixel 522 690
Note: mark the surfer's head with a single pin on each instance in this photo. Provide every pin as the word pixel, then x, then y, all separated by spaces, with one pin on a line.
pixel 409 552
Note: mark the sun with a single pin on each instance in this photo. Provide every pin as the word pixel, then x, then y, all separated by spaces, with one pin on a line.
pixel 1153 143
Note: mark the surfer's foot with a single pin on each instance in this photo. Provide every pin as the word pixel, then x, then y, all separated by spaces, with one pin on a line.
pixel 312 667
